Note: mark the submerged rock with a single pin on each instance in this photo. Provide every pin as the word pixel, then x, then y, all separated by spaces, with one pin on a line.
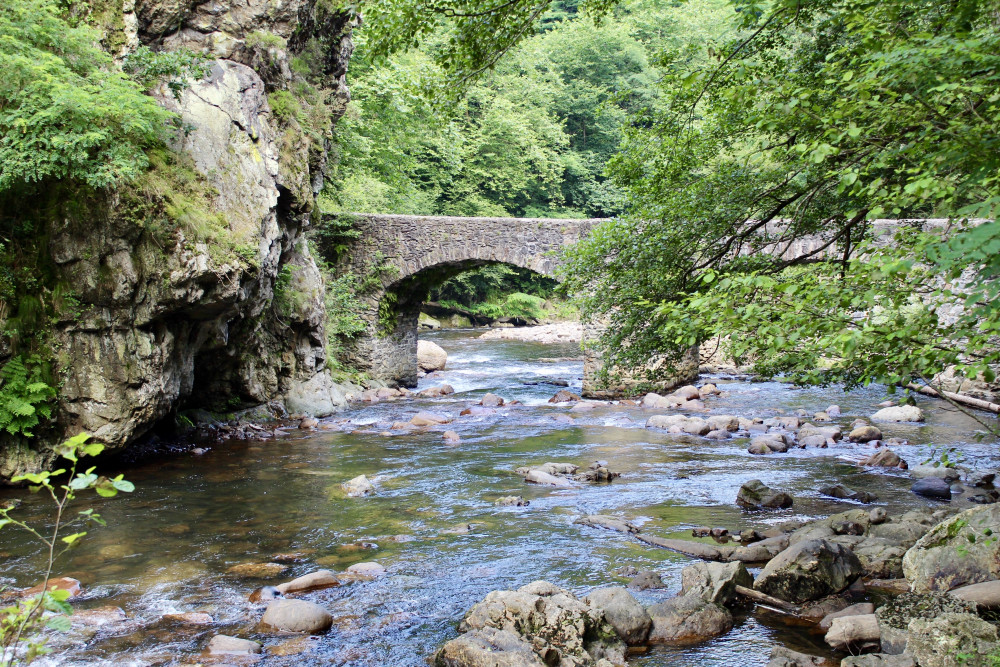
pixel 358 487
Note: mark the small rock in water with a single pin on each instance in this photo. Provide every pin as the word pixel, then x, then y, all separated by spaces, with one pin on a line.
pixel 833 411
pixel 68 584
pixel 309 423
pixel 756 495
pixel 701 531
pixel 296 616
pixel 429 419
pixel 564 396
pixel 884 458
pixel 932 487
pixel 844 493
pixel 865 433
pixel 265 594
pixel 901 413
pixel 511 501
pixel 491 401
pixel 310 582
pixel 190 618
pixel 226 645
pixel 645 580
pixel 370 569
pixel 451 437
pixel 257 570
pixel 198 451
pixel 358 487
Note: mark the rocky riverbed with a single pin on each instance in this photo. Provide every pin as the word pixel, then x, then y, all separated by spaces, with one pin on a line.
pixel 492 503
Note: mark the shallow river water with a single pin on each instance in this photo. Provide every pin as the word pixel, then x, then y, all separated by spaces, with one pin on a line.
pixel 168 545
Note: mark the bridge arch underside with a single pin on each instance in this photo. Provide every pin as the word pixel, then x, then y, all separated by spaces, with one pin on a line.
pixel 393 348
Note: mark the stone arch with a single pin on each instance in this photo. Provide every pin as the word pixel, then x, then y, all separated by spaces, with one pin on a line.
pixel 406 255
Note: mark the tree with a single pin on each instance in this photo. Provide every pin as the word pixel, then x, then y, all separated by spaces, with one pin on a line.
pixel 816 119
pixel 66 111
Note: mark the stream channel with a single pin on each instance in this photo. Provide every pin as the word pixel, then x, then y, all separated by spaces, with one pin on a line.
pixel 169 545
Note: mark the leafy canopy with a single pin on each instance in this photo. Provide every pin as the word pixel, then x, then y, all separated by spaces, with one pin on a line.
pixel 817 118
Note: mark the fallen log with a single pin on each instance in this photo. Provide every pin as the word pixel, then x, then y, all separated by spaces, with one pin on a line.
pixel 961 399
pixel 693 549
pixel 768 601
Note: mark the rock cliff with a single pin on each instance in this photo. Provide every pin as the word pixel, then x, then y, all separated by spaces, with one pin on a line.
pixel 202 290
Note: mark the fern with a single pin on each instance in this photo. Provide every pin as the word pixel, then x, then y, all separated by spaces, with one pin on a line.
pixel 24 396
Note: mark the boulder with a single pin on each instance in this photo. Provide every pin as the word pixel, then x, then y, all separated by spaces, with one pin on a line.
pixel 844 493
pixel 857 633
pixel 687 619
pixel 880 558
pixel 688 393
pixel 296 616
pixel 657 402
pixel 956 552
pixel 429 419
pixel 488 647
pixel 944 472
pixel 68 584
pixel 511 501
pixel 826 432
pixel 884 458
pixel 985 595
pixel 623 612
pixel 878 660
pixel 559 627
pixel 723 423
pixel 491 401
pixel 708 390
pixel 368 569
pixel 437 392
pixel 358 487
pixel 430 356
pixel 645 580
pixel 714 582
pixel 772 441
pixel 755 495
pixel 226 645
pixel 932 487
pixel 938 642
pixel 564 396
pixel 313 581
pixel 865 433
pixel 899 413
pixel 809 570
pixel 785 657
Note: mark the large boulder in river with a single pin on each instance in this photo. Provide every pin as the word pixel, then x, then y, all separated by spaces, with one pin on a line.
pixel 296 616
pixel 960 550
pixel 623 612
pixel 899 413
pixel 756 495
pixel 430 356
pixel 809 570
pixel 714 582
pixel 560 628
pixel 687 619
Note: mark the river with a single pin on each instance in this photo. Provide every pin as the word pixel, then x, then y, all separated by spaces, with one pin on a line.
pixel 169 545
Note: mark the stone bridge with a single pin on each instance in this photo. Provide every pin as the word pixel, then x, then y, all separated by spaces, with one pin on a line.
pixel 399 258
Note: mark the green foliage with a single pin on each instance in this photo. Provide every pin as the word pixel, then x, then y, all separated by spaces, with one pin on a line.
pixel 531 138
pixel 816 118
pixel 174 68
pixel 24 395
pixel 66 111
pixel 23 622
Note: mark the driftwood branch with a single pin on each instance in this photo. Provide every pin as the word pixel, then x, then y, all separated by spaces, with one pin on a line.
pixel 977 403
pixel 765 599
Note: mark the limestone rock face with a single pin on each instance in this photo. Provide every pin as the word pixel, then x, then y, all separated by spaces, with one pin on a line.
pixel 189 315
pixel 936 642
pixel 947 558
